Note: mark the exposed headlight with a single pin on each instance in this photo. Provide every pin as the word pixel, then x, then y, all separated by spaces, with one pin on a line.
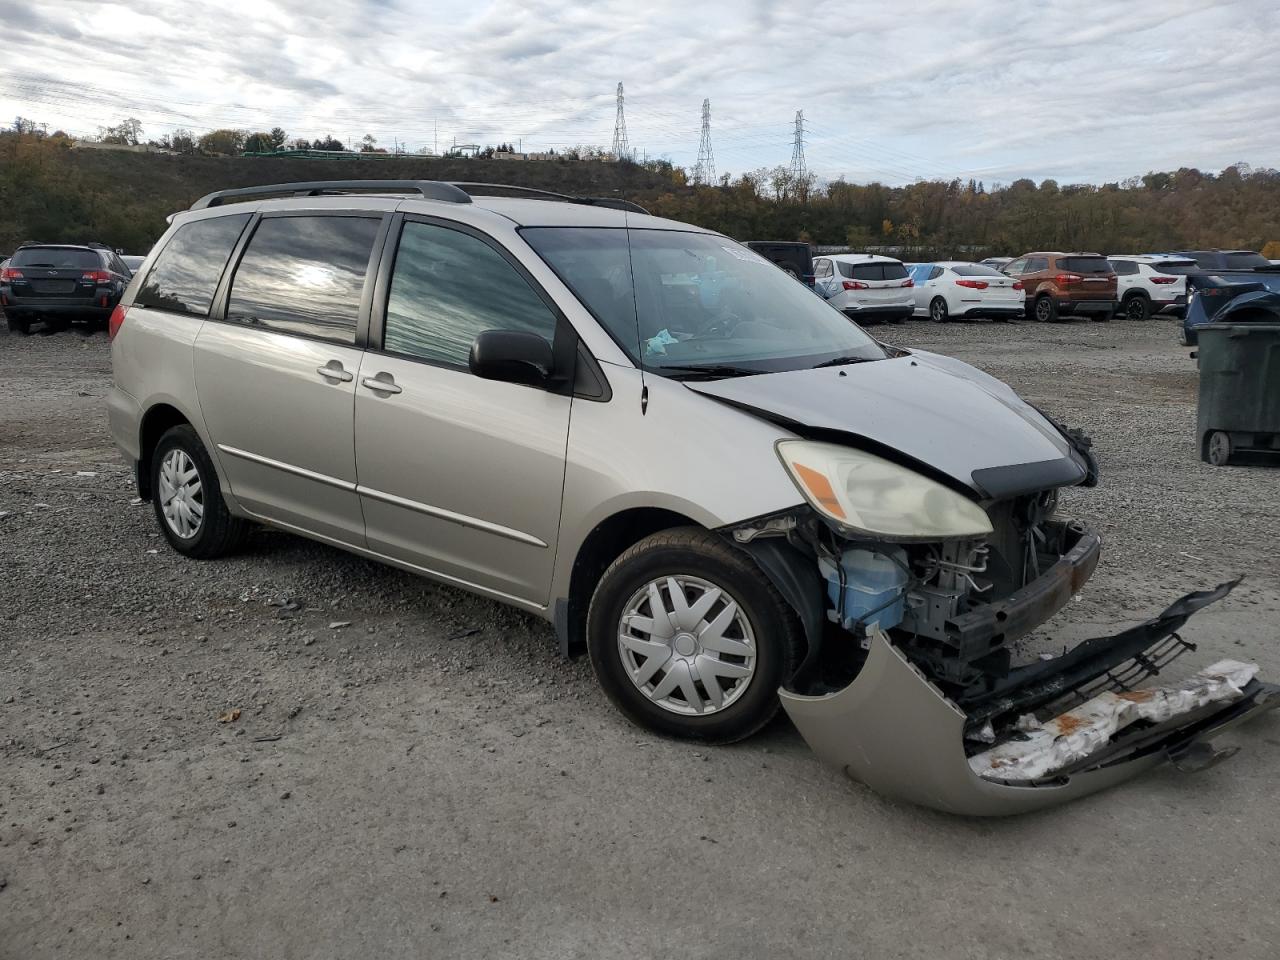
pixel 868 494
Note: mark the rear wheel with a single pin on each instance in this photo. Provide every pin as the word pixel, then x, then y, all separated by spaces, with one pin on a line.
pixel 1218 448
pixel 687 637
pixel 187 499
pixel 1137 307
pixel 938 310
pixel 1046 311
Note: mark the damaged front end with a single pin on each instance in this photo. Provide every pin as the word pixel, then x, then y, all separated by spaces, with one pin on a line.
pixel 909 685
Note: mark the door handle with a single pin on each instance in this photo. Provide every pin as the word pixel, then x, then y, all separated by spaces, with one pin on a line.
pixel 333 371
pixel 381 383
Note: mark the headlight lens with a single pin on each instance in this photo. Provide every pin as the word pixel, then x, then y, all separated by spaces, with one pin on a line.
pixel 868 494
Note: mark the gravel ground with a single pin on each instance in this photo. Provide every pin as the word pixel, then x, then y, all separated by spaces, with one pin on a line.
pixel 413 771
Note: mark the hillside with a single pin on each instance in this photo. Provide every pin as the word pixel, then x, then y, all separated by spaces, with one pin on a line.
pixel 52 193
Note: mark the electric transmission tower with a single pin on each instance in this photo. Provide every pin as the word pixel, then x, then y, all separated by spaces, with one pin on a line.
pixel 621 148
pixel 799 175
pixel 705 170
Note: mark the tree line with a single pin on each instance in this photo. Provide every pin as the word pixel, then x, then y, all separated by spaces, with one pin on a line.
pixel 51 192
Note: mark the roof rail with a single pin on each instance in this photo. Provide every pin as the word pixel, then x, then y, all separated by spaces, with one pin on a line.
pixel 429 189
pixel 613 203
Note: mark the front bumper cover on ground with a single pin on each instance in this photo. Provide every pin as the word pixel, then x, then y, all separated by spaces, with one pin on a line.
pixel 897 732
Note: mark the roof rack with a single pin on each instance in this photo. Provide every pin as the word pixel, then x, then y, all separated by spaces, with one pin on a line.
pixel 613 203
pixel 429 190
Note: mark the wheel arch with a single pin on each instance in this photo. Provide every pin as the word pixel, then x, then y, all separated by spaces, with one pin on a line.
pixel 606 541
pixel 162 415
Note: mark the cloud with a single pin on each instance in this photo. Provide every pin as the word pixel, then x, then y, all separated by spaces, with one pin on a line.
pixel 939 88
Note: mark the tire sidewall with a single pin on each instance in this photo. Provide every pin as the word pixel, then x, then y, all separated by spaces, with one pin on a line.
pixel 746 585
pixel 1144 307
pixel 1050 311
pixel 186 439
pixel 939 315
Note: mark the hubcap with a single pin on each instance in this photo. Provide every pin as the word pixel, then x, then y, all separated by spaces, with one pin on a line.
pixel 1135 310
pixel 1042 310
pixel 687 645
pixel 181 494
pixel 937 310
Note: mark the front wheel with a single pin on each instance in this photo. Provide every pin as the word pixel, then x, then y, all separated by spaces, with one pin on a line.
pixel 187 499
pixel 688 638
pixel 938 310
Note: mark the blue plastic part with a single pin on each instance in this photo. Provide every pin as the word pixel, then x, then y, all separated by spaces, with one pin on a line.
pixel 874 588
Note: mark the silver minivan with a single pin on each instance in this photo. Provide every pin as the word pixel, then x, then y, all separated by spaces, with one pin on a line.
pixel 725 491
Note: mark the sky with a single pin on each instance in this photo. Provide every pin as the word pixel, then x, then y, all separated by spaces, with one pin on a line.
pixel 992 90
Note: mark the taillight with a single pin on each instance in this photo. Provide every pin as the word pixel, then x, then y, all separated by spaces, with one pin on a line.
pixel 95 276
pixel 1165 279
pixel 972 284
pixel 856 285
pixel 1063 279
pixel 116 321
pixel 1017 285
pixel 8 273
pixel 908 282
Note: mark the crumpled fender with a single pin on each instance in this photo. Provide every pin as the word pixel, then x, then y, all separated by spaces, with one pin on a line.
pixel 896 732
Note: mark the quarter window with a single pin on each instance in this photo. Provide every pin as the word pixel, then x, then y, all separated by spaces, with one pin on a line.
pixel 447 288
pixel 185 274
pixel 1124 268
pixel 304 275
pixel 822 269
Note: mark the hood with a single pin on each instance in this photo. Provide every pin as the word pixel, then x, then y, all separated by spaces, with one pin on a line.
pixel 927 408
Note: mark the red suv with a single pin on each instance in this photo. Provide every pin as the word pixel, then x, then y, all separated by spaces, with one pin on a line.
pixel 1066 283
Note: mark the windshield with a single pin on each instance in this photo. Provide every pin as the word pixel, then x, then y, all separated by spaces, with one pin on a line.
pixel 675 300
pixel 975 270
pixel 1244 261
pixel 1085 265
pixel 57 258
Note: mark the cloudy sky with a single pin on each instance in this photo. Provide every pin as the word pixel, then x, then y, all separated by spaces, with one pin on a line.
pixel 990 89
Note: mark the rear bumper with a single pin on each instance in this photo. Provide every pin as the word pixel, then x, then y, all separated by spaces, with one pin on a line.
pixel 78 306
pixel 896 731
pixel 1087 306
pixel 879 314
pixel 992 313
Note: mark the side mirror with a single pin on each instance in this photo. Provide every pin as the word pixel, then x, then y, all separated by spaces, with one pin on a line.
pixel 511 356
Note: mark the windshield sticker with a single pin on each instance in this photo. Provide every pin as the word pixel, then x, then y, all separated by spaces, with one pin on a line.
pixel 746 256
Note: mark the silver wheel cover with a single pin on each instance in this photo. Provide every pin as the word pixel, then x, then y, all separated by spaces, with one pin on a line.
pixel 181 494
pixel 687 645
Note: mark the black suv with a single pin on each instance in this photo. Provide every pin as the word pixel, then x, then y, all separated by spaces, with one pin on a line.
pixel 58 283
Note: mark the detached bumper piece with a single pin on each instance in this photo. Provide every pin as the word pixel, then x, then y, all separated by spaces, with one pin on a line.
pixel 1053 731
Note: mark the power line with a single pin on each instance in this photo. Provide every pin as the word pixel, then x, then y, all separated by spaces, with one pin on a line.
pixel 705 171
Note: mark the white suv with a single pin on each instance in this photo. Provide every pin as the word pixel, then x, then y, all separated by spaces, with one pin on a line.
pixel 1148 284
pixel 867 288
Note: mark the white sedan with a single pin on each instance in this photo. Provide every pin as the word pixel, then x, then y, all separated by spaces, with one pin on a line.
pixel 952 289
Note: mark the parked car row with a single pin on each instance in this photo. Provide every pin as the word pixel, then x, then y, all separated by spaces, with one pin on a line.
pixel 58 283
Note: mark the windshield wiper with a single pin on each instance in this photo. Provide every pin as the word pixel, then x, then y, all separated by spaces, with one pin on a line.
pixel 708 369
pixel 841 361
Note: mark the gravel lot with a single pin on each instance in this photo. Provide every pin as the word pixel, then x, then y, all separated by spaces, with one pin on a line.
pixel 430 779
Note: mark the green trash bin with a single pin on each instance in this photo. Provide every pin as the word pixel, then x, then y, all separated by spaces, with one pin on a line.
pixel 1238 417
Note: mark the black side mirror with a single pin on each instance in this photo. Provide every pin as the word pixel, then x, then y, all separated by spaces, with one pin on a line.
pixel 512 356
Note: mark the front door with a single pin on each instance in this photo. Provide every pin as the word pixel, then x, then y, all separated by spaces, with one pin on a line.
pixel 458 475
pixel 276 378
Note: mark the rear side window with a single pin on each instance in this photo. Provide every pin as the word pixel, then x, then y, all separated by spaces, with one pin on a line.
pixel 1036 264
pixel 185 274
pixel 873 271
pixel 1123 268
pixel 304 275
pixel 822 268
pixel 1085 265
pixel 57 258
pixel 447 288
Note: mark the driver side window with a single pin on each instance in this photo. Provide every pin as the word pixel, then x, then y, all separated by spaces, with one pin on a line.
pixel 447 288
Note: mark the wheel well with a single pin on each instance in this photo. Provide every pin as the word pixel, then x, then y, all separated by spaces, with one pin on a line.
pixel 1129 295
pixel 608 541
pixel 155 423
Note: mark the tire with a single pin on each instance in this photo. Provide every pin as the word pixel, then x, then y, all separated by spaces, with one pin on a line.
pixel 1218 449
pixel 696 562
pixel 1046 311
pixel 1136 307
pixel 216 533
pixel 938 312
